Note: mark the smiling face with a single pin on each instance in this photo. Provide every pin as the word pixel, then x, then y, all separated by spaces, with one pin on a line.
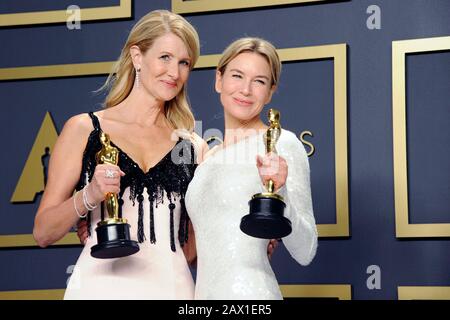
pixel 245 86
pixel 164 67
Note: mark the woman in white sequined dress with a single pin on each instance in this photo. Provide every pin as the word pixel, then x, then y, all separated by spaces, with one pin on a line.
pixel 231 264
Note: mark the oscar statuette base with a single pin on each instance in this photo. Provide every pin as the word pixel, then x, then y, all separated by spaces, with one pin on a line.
pixel 266 220
pixel 113 241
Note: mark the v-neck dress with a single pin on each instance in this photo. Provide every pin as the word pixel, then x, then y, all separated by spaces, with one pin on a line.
pixel 153 204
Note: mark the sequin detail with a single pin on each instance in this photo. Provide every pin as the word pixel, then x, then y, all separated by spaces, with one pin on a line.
pixel 166 178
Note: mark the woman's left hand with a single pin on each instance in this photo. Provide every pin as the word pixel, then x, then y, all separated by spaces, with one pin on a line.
pixel 272 166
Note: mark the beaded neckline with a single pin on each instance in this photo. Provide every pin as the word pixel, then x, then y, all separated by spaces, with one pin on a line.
pixel 136 165
pixel 166 180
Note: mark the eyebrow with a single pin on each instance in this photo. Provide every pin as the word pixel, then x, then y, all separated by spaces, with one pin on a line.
pixel 171 54
pixel 259 76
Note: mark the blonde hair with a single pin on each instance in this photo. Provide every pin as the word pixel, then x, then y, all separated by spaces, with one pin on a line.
pixel 255 45
pixel 144 33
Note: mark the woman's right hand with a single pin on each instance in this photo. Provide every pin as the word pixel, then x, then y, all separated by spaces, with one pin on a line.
pixel 106 179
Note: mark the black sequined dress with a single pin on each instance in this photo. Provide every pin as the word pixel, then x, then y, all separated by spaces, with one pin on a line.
pixel 153 204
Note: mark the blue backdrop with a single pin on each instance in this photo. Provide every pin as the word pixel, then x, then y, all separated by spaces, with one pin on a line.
pixel 306 100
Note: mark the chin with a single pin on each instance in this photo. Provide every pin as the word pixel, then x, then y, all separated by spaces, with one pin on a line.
pixel 168 96
pixel 244 115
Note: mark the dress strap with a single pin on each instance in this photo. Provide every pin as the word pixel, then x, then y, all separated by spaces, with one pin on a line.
pixel 95 121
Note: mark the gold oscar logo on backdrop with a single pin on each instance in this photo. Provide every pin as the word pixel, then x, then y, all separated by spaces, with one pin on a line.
pixel 34 174
pixel 302 135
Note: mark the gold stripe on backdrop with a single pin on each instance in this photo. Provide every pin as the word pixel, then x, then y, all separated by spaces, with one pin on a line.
pixel 339 291
pixel 196 6
pixel 27 240
pixel 123 10
pixel 423 293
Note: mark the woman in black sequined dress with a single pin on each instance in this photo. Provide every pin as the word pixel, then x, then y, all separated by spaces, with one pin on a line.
pixel 145 106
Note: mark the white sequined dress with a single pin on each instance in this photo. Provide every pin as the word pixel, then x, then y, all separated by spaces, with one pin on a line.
pixel 231 264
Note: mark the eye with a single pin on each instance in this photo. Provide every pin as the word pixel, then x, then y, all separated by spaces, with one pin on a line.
pixel 236 75
pixel 185 63
pixel 165 57
pixel 260 81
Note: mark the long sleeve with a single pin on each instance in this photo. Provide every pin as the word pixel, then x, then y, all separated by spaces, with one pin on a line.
pixel 302 242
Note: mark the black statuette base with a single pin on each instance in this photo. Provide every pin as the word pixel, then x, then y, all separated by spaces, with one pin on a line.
pixel 266 220
pixel 114 241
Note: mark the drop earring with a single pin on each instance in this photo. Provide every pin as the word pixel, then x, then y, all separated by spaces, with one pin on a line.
pixel 137 79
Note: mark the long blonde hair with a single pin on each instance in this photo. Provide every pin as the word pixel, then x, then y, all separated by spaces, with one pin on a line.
pixel 256 45
pixel 144 33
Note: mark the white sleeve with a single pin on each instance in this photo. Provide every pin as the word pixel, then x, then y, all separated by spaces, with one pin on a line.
pixel 302 242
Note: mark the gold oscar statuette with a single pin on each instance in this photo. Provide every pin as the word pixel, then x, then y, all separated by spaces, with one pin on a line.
pixel 266 219
pixel 113 233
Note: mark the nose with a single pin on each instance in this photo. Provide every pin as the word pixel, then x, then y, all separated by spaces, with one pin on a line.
pixel 246 88
pixel 173 71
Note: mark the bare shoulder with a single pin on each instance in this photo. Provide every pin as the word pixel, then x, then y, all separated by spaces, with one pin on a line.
pixel 81 122
pixel 75 133
pixel 78 126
